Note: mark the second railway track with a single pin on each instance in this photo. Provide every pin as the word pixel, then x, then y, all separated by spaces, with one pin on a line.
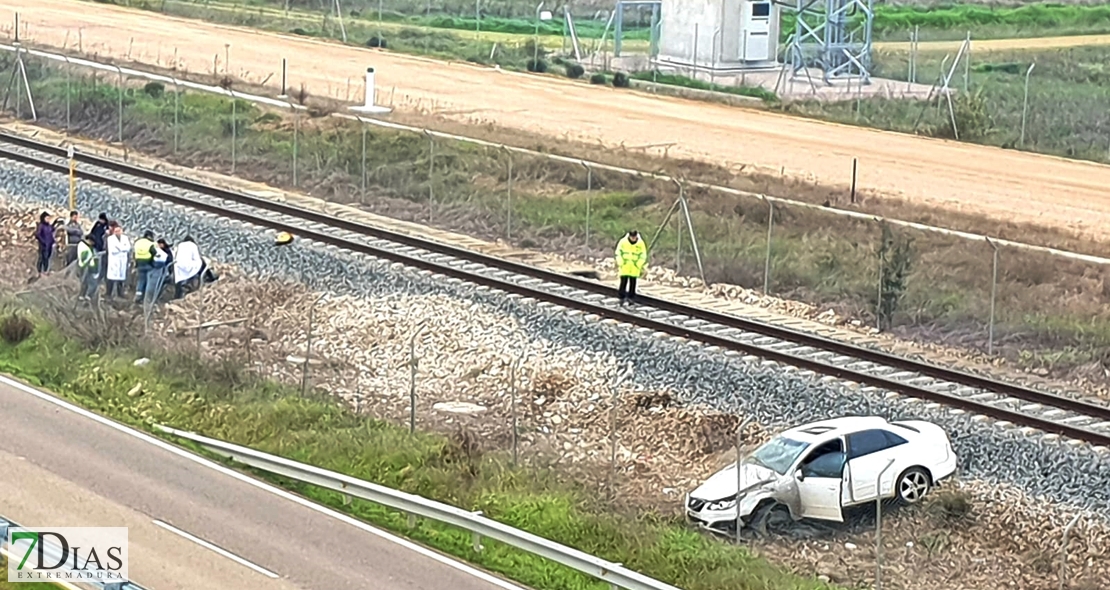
pixel 1007 402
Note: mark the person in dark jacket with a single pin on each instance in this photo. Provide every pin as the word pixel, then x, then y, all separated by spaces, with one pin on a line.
pixel 74 235
pixel 99 236
pixel 44 235
pixel 99 233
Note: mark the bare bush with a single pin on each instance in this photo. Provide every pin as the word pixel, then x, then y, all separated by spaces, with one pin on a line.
pixel 16 328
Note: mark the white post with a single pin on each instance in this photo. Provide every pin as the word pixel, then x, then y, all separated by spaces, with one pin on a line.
pixel 368 106
pixel 369 98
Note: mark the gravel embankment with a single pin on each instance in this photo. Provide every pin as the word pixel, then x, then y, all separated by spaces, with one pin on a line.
pixel 774 396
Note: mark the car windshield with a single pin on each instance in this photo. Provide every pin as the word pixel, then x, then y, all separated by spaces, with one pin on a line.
pixel 778 454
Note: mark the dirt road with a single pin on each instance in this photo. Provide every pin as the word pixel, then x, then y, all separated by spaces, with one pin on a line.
pixel 1007 185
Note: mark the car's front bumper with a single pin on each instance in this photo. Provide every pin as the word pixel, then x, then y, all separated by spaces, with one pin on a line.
pixel 697 511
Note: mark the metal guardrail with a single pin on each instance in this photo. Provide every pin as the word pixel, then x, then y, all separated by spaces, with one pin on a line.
pixel 480 526
pixel 51 550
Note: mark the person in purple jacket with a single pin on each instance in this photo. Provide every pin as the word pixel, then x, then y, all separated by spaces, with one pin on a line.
pixel 44 234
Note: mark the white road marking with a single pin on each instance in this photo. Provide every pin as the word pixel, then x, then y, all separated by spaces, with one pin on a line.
pixel 62 583
pixel 214 548
pixel 433 555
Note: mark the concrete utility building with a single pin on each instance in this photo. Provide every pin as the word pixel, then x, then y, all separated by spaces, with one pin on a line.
pixel 719 34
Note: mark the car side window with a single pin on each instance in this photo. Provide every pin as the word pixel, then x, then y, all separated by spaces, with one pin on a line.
pixel 826 460
pixel 892 439
pixel 866 442
pixel 827 465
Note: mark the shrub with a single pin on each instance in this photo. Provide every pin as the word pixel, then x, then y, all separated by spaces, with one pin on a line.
pixel 574 70
pixel 300 31
pixel 949 505
pixel 599 78
pixel 538 66
pixel 15 329
pixel 896 257
pixel 376 41
pixel 154 89
pixel 620 80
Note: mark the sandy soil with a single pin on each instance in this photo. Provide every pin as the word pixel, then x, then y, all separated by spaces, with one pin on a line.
pixel 1007 185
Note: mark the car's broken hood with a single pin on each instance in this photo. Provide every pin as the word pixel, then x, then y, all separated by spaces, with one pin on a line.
pixel 723 484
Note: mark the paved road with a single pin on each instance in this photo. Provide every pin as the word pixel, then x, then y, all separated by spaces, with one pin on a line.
pixel 59 468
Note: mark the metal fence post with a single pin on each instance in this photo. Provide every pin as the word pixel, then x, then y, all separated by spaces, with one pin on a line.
pixel 589 195
pixel 234 130
pixel 69 67
pixel 693 235
pixel 740 472
pixel 879 300
pixel 120 102
pixel 308 345
pixel 1064 553
pixel 614 409
pixel 413 361
pixel 513 365
pixel 509 201
pixel 363 156
pixel 431 172
pixel 176 108
pixel 879 526
pixel 994 295
pixel 767 257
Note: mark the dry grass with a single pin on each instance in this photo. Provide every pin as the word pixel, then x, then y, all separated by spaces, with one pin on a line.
pixel 1052 316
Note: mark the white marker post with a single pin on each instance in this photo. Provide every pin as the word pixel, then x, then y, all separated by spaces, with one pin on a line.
pixel 370 108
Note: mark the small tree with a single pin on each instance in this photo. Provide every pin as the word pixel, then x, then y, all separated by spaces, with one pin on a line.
pixel 895 258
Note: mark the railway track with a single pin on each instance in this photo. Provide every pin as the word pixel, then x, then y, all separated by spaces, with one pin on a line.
pixel 1005 402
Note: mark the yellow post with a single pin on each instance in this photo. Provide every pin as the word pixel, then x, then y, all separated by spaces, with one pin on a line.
pixel 72 180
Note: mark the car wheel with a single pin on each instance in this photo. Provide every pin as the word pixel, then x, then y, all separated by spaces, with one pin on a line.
pixel 913 484
pixel 771 516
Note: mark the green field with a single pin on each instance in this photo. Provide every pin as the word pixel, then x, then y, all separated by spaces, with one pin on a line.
pixel 1067 114
pixel 891 21
pixel 217 398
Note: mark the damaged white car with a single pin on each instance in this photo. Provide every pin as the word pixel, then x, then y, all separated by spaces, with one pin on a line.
pixel 818 469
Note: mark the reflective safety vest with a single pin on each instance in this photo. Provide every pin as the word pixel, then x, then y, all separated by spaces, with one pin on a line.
pixel 142 249
pixel 631 257
pixel 86 258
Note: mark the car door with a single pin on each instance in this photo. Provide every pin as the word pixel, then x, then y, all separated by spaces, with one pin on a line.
pixel 869 453
pixel 820 478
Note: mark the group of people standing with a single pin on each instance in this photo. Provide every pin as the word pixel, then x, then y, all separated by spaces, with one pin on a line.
pixel 107 254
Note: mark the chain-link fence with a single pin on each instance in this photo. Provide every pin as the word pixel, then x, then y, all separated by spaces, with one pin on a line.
pixel 1040 311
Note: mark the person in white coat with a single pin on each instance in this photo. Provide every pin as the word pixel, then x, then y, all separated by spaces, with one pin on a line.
pixel 187 265
pixel 119 250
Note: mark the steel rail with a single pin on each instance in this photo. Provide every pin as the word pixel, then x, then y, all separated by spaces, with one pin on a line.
pixel 810 340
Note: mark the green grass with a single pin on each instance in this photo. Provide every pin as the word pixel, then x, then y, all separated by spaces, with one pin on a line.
pixel 216 399
pixel 891 21
pixel 1043 306
pixel 1067 100
pixel 6 585
pixel 986 22
pixel 678 80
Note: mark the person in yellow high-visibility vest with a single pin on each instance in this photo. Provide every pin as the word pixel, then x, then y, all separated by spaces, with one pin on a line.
pixel 145 251
pixel 631 262
pixel 88 263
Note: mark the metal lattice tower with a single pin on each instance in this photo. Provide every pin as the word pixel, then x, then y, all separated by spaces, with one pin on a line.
pixel 833 36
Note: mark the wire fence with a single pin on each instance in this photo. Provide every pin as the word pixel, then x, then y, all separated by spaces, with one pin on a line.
pixel 1042 310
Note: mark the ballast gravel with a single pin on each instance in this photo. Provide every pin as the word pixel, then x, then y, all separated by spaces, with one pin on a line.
pixel 775 395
